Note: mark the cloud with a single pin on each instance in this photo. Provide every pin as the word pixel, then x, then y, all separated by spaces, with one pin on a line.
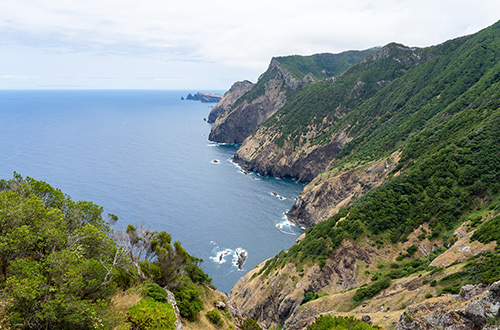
pixel 232 35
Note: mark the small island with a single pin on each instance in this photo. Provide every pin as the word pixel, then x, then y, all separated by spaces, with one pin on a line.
pixel 204 97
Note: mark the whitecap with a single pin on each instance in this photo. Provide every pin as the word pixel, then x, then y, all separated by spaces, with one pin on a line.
pixel 285 226
pixel 220 257
pixel 278 196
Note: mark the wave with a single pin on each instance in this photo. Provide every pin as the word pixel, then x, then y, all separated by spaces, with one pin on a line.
pixel 239 256
pixel 286 226
pixel 278 196
pixel 220 257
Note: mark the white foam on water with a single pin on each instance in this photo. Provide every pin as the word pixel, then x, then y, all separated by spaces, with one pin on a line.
pixel 220 256
pixel 277 196
pixel 285 226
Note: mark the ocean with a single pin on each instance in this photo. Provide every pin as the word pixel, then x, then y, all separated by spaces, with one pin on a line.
pixel 145 156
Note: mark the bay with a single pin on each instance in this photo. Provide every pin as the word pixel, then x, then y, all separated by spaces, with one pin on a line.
pixel 145 156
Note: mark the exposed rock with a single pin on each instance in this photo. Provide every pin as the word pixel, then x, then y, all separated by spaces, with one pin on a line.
pixel 236 91
pixel 448 314
pixel 171 301
pixel 328 193
pixel 220 305
pixel 367 319
pixel 204 97
pixel 235 312
pixel 259 155
pixel 235 125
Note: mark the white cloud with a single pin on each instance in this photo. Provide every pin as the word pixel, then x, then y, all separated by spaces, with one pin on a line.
pixel 229 35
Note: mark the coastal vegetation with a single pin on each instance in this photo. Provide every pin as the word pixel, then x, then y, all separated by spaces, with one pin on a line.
pixel 62 265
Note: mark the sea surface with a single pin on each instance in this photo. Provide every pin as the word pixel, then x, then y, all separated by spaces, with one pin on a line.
pixel 145 156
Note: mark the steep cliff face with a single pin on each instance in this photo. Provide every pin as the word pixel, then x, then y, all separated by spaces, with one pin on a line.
pixel 252 109
pixel 303 138
pixel 236 91
pixel 260 155
pixel 284 77
pixel 331 191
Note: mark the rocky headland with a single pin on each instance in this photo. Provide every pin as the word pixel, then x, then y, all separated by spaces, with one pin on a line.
pixel 204 97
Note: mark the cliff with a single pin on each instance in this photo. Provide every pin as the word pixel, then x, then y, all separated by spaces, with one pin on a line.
pixel 404 202
pixel 283 78
pixel 236 91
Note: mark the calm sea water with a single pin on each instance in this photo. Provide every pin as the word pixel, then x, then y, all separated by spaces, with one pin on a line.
pixel 144 156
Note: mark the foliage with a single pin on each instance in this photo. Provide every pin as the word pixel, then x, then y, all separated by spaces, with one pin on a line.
pixel 153 290
pixel 322 65
pixel 371 290
pixel 489 231
pixel 214 317
pixel 250 324
pixel 308 296
pixel 188 300
pixel 151 314
pixel 56 256
pixel 60 265
pixel 328 322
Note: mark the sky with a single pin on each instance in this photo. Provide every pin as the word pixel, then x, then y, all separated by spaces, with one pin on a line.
pixel 205 45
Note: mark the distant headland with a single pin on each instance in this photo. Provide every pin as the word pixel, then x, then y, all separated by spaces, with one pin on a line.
pixel 204 97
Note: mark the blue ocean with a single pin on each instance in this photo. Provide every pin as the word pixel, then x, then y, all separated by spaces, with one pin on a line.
pixel 145 156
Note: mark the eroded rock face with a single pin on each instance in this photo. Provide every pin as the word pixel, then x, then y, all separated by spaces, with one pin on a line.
pixel 235 125
pixel 448 313
pixel 236 91
pixel 259 155
pixel 276 298
pixel 328 193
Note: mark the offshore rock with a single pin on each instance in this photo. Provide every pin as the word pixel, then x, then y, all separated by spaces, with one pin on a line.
pixel 236 91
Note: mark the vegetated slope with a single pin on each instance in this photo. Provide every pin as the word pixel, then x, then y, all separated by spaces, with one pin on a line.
pixel 63 268
pixel 438 107
pixel 285 76
pixel 367 114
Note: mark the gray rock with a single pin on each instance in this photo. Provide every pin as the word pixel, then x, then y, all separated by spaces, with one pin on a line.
pixel 367 319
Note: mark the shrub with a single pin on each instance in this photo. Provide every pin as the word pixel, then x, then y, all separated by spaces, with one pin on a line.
pixel 154 291
pixel 250 324
pixel 214 317
pixel 151 314
pixel 371 290
pixel 188 300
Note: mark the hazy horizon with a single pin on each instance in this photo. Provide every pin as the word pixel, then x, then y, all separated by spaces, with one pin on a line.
pixel 197 45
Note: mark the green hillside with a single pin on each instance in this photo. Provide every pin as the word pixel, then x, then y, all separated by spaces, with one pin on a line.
pixel 439 106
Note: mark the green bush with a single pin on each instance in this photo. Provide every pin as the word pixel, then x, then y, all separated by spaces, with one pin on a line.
pixel 154 291
pixel 371 290
pixel 214 317
pixel 188 300
pixel 250 324
pixel 328 322
pixel 150 314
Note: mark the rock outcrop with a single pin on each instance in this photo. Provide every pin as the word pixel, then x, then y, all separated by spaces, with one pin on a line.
pixel 329 192
pixel 235 92
pixel 470 309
